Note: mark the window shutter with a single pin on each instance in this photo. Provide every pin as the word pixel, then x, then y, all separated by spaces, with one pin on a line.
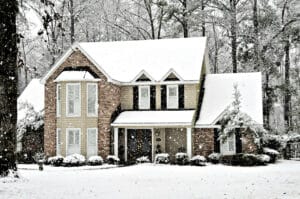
pixel 216 141
pixel 181 96
pixel 238 141
pixel 135 97
pixel 163 90
pixel 152 97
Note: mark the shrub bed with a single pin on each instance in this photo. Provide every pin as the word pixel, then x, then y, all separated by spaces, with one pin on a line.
pixel 74 160
pixel 95 160
pixel 272 153
pixel 198 160
pixel 112 159
pixel 181 159
pixel 162 158
pixel 143 159
pixel 214 158
pixel 55 160
pixel 243 159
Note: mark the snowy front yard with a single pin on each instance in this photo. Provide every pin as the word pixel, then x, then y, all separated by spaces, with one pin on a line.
pixel 281 180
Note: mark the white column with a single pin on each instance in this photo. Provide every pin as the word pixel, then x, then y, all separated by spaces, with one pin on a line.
pixel 125 147
pixel 116 143
pixel 189 142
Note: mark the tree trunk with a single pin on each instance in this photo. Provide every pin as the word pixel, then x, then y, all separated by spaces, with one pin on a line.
pixel 8 84
pixel 202 20
pixel 233 30
pixel 287 94
pixel 72 25
pixel 216 54
pixel 185 20
pixel 256 42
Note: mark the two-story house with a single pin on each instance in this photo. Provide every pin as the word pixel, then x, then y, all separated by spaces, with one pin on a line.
pixel 136 98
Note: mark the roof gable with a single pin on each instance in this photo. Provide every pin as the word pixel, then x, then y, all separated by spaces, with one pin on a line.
pixel 122 61
pixel 218 96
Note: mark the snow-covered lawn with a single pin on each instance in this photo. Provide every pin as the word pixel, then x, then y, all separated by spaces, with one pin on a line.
pixel 281 180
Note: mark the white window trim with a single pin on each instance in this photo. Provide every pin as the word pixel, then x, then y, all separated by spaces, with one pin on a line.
pixel 226 144
pixel 67 105
pixel 168 100
pixel 67 139
pixel 58 145
pixel 87 139
pixel 58 103
pixel 140 102
pixel 87 101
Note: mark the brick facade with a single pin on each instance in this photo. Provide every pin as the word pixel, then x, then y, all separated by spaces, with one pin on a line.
pixel 248 144
pixel 108 96
pixel 203 141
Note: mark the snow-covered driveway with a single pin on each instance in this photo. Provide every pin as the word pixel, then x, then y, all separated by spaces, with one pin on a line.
pixel 281 180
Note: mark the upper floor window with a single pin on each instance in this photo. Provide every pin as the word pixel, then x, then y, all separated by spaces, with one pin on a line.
pixel 144 97
pixel 58 100
pixel 92 99
pixel 73 100
pixel 172 96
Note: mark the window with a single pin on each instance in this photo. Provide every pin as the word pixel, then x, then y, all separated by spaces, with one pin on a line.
pixel 73 139
pixel 73 100
pixel 92 141
pixel 172 96
pixel 58 141
pixel 92 99
pixel 228 147
pixel 144 97
pixel 58 99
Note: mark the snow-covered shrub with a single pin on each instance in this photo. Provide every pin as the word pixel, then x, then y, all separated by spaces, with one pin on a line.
pixel 263 159
pixel 95 160
pixel 181 158
pixel 74 160
pixel 271 142
pixel 112 159
pixel 198 160
pixel 214 158
pixel 272 153
pixel 55 160
pixel 162 158
pixel 143 159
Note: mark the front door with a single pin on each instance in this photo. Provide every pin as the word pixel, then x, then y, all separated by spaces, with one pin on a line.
pixel 92 137
pixel 139 143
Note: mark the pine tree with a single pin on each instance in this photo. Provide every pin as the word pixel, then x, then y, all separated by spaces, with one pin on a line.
pixel 8 84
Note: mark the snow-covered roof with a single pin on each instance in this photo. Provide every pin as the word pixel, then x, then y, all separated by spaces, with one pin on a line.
pixel 32 94
pixel 218 96
pixel 123 61
pixel 75 76
pixel 154 118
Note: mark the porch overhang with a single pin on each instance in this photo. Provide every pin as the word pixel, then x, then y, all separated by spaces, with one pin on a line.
pixel 151 119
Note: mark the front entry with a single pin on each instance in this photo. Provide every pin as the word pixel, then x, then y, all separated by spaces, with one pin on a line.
pixel 139 142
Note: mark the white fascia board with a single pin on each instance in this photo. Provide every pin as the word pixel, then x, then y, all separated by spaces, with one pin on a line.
pixel 152 125
pixel 158 83
pixel 205 126
pixel 79 80
pixel 140 74
pixel 58 63
pixel 169 72
pixel 75 47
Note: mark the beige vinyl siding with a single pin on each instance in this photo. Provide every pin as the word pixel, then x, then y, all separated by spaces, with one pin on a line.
pixel 127 97
pixel 190 96
pixel 83 122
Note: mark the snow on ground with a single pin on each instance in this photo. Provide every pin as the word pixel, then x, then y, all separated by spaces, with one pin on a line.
pixel 281 180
